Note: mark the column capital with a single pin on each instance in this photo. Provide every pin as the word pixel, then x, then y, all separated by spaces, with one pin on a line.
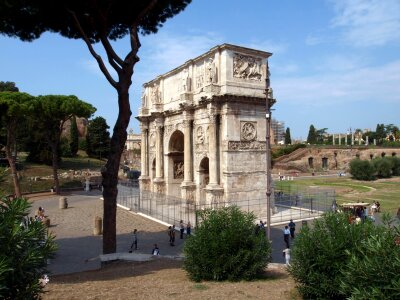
pixel 158 123
pixel 143 126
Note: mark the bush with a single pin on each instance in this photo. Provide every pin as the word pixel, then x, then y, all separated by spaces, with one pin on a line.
pixel 372 272
pixel 284 150
pixel 319 255
pixel 362 169
pixel 226 247
pixel 383 167
pixel 24 250
pixel 395 165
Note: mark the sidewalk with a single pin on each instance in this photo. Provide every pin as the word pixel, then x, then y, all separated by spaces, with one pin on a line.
pixel 79 250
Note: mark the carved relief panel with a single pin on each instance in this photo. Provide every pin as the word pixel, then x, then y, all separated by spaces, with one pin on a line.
pixel 155 94
pixel 247 67
pixel 248 131
pixel 178 170
pixel 199 77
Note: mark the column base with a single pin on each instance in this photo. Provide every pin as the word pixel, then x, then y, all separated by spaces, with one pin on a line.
pixel 159 185
pixel 188 191
pixel 214 195
pixel 144 183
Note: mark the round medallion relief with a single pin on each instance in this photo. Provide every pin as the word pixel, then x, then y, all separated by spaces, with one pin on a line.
pixel 248 131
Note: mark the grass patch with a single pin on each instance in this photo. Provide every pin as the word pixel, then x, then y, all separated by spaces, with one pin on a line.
pixel 386 191
pixel 29 171
pixel 200 287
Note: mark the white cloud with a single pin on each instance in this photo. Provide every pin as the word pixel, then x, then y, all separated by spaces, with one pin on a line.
pixel 340 63
pixel 368 22
pixel 361 85
pixel 268 46
pixel 166 51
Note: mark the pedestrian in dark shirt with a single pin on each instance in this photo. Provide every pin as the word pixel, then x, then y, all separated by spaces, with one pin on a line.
pixel 134 242
pixel 182 228
pixel 292 228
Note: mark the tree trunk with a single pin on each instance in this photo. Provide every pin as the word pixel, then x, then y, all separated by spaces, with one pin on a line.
pixel 11 160
pixel 54 150
pixel 110 172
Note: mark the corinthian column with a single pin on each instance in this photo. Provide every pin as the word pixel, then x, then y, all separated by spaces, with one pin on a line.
pixel 144 150
pixel 212 148
pixel 159 149
pixel 188 168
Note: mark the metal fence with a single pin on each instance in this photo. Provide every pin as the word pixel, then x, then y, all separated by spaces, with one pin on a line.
pixel 298 204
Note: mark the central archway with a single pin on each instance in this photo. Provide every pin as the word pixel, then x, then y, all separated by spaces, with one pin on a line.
pixel 175 163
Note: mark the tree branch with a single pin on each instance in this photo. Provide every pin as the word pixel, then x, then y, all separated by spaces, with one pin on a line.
pixel 98 58
pixel 132 57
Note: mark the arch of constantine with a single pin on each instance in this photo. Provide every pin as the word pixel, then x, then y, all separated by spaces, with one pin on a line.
pixel 203 128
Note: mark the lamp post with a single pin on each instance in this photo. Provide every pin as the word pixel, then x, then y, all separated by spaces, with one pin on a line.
pixel 270 101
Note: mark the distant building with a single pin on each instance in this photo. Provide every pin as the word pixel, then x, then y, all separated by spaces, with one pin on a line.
pixel 278 132
pixel 133 141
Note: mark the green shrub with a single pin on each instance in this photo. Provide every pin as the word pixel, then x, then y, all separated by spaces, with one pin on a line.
pixel 372 271
pixel 319 254
pixel 395 165
pixel 226 247
pixel 287 149
pixel 362 169
pixel 24 251
pixel 383 167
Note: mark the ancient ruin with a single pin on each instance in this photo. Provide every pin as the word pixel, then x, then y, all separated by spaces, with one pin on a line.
pixel 203 128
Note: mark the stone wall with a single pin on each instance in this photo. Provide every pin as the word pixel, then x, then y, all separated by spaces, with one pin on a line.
pixel 336 158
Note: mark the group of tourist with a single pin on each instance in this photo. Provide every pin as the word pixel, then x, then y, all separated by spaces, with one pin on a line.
pixel 288 232
pixel 171 234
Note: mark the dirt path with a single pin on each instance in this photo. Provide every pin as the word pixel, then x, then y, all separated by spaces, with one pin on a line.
pixel 164 279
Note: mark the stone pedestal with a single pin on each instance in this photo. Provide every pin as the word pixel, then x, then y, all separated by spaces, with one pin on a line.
pixel 98 226
pixel 63 203
pixel 144 182
pixel 159 186
pixel 214 196
pixel 188 191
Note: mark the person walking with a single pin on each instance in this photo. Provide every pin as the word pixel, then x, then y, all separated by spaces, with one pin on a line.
pixel 292 228
pixel 286 254
pixel 171 233
pixel 188 229
pixel 286 234
pixel 181 229
pixel 134 242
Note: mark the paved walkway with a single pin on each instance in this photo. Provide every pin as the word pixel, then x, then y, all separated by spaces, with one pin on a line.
pixel 79 250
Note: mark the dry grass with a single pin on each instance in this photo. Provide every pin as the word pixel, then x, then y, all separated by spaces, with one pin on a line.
pixel 164 279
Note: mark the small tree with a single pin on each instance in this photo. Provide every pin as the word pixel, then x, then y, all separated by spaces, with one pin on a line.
pixel 52 111
pixel 383 167
pixel 312 135
pixel 226 247
pixel 288 139
pixel 8 86
pixel 98 138
pixel 395 161
pixel 319 255
pixel 24 250
pixel 372 271
pixel 15 106
pixel 74 137
pixel 362 169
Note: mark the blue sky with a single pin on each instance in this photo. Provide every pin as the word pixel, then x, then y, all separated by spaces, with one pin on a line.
pixel 335 63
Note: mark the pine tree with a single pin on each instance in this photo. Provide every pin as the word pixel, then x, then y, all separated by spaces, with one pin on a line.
pixel 288 139
pixel 74 137
pixel 312 135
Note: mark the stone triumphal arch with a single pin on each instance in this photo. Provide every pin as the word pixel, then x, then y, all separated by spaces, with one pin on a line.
pixel 203 128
